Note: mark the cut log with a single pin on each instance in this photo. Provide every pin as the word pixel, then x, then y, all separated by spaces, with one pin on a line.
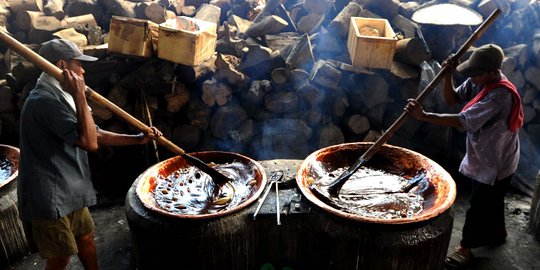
pixel 79 22
pixel 312 95
pixel 124 8
pixel 517 78
pixel 239 22
pixel 385 8
pixel 254 95
pixel 267 10
pixel 281 40
pixel 52 8
pixel 281 102
pixel 215 93
pixel 407 27
pixel 189 11
pixel 310 23
pixel 280 75
pixel 330 134
pixel 21 5
pixel 532 75
pixel 70 34
pixel 299 78
pixel 198 114
pixel 284 14
pixel 515 57
pixel 230 43
pixel 269 25
pixel 42 28
pixel 529 113
pixel 178 98
pixel 226 69
pixel 529 94
pixel 536 47
pixel 209 13
pixel 340 24
pixel 300 54
pixel 25 17
pixel 325 74
pixel 357 124
pixel 255 55
pixel 411 51
pixel 404 71
pixel 158 13
pixel 227 119
pixel 408 8
pixel 191 74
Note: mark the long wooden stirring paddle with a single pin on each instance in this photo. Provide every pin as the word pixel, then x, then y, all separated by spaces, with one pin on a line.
pixel 56 72
pixel 334 187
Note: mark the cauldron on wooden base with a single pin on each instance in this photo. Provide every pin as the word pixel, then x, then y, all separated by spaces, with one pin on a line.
pixel 164 240
pixel 13 242
pixel 347 241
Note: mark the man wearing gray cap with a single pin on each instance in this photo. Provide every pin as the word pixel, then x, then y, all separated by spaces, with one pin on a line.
pixel 54 185
pixel 491 117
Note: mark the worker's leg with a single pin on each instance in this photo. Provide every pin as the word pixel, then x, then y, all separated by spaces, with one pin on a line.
pixel 83 228
pixel 87 251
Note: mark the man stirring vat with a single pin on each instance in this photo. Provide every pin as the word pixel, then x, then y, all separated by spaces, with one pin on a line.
pixel 54 185
pixel 492 118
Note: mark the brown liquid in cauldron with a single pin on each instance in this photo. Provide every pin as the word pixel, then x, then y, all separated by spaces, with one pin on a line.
pixel 6 168
pixel 378 194
pixel 190 191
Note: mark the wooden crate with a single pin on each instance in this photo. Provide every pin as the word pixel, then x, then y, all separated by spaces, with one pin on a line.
pixel 130 36
pixel 371 51
pixel 186 40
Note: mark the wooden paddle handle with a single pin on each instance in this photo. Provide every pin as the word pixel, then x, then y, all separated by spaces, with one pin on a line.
pixel 430 87
pixel 56 72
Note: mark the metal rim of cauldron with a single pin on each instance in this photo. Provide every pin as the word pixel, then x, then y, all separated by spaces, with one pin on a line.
pixel 148 202
pixel 447 184
pixel 12 154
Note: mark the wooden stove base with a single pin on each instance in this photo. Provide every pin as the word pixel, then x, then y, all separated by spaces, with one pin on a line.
pixel 308 238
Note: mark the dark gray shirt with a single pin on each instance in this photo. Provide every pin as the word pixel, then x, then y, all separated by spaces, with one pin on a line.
pixel 54 175
pixel 492 150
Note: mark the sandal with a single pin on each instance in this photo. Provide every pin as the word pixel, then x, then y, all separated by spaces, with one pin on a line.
pixel 458 259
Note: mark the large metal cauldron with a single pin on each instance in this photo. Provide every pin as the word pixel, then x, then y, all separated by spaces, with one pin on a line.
pixel 349 241
pixel 13 243
pixel 398 158
pixel 163 240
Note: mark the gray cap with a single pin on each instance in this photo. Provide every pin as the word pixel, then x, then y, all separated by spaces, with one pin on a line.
pixel 485 58
pixel 62 49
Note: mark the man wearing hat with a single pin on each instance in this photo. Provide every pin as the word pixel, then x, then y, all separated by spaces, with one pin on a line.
pixel 54 184
pixel 492 117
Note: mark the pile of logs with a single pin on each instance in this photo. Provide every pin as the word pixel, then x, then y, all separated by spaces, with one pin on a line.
pixel 281 83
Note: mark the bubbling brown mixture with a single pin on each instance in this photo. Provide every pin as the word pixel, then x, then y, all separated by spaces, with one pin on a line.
pixel 378 194
pixel 190 191
pixel 6 169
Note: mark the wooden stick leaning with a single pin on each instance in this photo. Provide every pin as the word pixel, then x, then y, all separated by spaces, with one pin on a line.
pixel 56 72
pixel 334 187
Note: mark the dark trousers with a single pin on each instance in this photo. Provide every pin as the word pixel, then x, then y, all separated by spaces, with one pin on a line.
pixel 484 222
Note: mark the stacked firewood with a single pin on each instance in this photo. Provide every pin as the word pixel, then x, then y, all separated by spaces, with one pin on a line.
pixel 281 83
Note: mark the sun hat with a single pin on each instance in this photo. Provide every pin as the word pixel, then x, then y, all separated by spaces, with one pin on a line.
pixel 62 49
pixel 485 58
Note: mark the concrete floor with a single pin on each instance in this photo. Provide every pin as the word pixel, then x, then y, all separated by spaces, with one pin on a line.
pixel 521 251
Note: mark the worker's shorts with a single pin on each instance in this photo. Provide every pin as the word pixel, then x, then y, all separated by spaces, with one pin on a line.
pixel 57 238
